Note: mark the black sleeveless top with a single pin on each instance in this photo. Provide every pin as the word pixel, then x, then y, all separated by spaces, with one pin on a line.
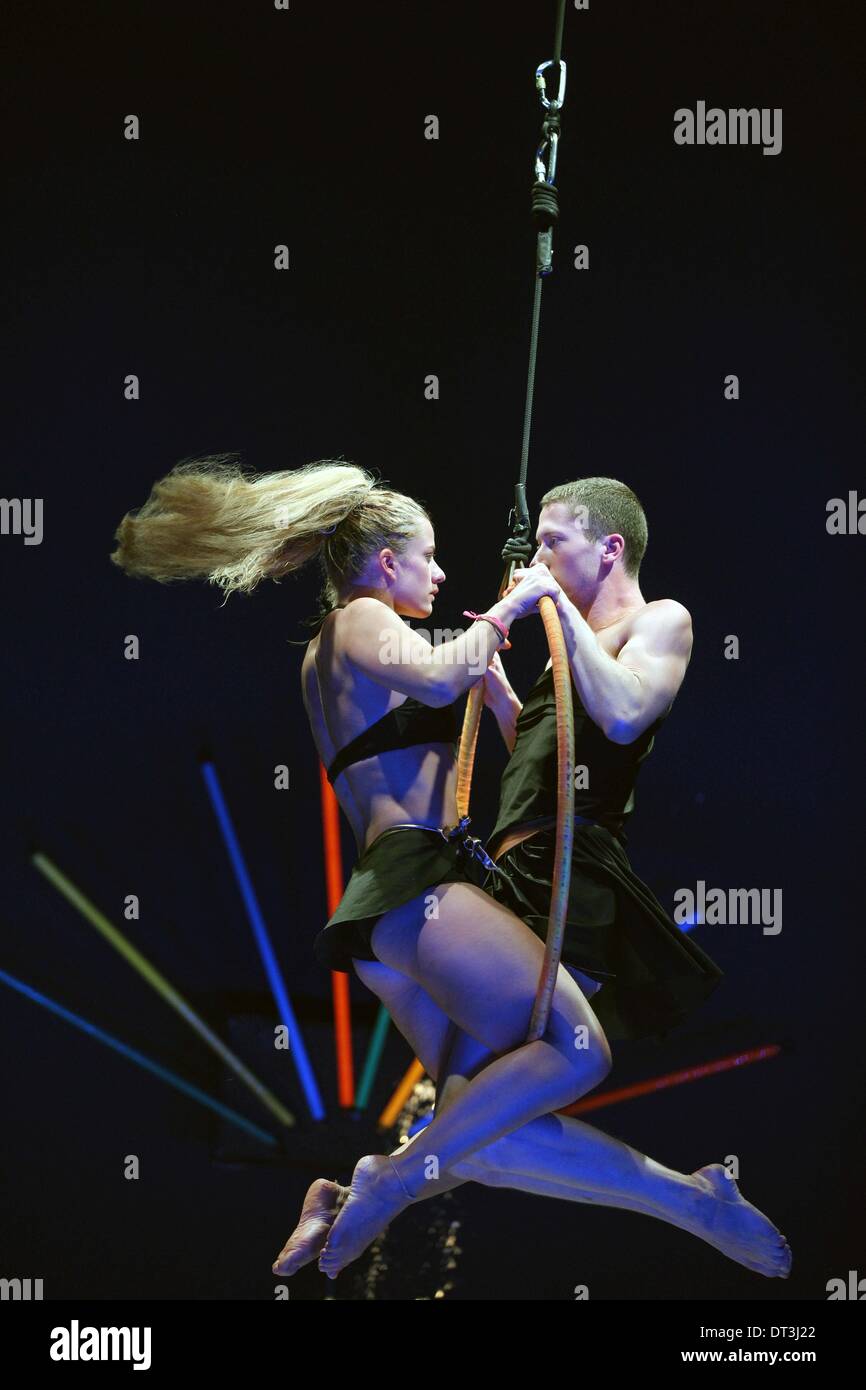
pixel 402 727
pixel 528 789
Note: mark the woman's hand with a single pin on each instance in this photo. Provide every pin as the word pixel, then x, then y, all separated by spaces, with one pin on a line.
pixel 528 586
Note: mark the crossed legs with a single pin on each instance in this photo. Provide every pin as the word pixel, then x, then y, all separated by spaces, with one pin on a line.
pixel 561 1156
pixel 459 985
pixel 552 1155
pixel 479 964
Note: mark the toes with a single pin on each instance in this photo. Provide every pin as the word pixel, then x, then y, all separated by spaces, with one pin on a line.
pixel 284 1261
pixel 774 1264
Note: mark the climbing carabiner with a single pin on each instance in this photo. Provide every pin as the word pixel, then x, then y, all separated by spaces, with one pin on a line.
pixel 541 83
pixel 546 173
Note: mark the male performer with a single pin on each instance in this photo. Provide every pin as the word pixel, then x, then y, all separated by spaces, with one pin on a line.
pixel 628 658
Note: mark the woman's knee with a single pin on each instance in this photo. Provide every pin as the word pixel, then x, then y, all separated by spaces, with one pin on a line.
pixel 577 1034
pixel 588 1052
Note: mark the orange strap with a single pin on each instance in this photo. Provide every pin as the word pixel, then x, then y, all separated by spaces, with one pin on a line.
pixel 564 803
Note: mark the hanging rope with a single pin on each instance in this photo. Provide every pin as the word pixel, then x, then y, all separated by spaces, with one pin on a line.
pixel 545 213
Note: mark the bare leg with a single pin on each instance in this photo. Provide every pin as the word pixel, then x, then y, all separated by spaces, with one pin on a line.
pixel 558 1150
pixel 736 1228
pixel 510 1091
pixel 556 1155
pixel 480 964
pixel 560 1156
pixel 493 1167
pixel 562 1149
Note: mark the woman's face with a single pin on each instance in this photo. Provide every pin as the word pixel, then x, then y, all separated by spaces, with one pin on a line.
pixel 417 574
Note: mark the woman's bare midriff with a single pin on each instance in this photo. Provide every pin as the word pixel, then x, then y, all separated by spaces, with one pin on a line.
pixel 416 784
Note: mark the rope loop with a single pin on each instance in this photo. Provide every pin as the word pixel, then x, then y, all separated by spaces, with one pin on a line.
pixel 545 205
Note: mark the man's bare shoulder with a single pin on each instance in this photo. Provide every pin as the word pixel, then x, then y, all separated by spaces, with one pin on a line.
pixel 662 615
pixel 671 606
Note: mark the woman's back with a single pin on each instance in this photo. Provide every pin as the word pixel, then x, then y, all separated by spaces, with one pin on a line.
pixel 416 783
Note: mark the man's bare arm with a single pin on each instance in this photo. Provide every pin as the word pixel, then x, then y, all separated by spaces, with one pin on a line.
pixel 505 713
pixel 501 697
pixel 624 695
pixel 657 654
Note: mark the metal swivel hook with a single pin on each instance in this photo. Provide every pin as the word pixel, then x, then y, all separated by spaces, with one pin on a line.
pixel 471 844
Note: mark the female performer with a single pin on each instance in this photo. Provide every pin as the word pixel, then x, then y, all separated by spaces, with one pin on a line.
pixel 456 970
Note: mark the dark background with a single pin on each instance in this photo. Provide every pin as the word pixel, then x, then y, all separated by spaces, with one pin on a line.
pixel 411 257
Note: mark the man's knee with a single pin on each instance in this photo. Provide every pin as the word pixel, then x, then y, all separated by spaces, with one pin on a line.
pixel 478 1167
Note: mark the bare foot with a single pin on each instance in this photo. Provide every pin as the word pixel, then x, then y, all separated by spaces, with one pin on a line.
pixel 375 1197
pixel 724 1218
pixel 318 1214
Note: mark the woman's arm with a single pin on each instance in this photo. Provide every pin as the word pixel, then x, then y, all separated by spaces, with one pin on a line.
pixel 392 654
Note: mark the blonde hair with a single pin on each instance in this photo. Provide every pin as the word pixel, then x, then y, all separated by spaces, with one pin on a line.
pixel 207 519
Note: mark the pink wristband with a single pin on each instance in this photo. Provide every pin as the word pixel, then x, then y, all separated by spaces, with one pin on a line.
pixel 488 617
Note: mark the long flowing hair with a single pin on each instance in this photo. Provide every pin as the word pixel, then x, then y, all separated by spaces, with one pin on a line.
pixel 209 519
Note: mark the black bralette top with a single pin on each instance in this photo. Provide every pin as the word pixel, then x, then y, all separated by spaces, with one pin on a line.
pixel 402 727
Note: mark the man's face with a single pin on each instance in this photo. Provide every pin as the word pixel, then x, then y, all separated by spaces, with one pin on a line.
pixel 565 549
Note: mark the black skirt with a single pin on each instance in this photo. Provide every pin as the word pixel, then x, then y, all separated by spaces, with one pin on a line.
pixel 652 974
pixel 401 863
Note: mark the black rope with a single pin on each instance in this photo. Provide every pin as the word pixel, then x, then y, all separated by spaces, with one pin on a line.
pixel 560 20
pixel 545 214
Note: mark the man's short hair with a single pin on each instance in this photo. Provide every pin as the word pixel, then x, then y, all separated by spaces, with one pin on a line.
pixel 606 506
